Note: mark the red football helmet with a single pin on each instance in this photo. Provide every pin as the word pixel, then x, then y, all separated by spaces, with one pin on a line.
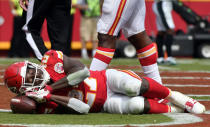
pixel 15 77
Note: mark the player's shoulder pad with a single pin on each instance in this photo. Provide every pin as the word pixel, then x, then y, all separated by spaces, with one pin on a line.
pixel 54 54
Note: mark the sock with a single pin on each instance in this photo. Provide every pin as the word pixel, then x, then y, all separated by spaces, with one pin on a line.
pixel 148 59
pixel 93 52
pixel 156 108
pixel 102 58
pixel 84 52
pixel 156 90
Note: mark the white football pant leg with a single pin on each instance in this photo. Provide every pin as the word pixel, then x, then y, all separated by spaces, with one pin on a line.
pixel 121 104
pixel 122 82
pixel 123 15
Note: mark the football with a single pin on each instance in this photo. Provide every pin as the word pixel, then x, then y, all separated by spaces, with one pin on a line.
pixel 23 105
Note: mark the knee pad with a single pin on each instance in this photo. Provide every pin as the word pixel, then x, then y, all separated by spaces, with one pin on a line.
pixel 136 105
pixel 132 87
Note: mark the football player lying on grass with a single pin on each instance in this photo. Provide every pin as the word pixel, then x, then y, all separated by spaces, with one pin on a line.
pixel 61 80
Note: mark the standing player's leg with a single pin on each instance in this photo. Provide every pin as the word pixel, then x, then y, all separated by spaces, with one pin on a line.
pixel 129 16
pixel 147 55
pixel 108 27
pixel 157 9
pixel 104 52
pixel 146 50
pixel 58 24
pixel 115 15
pixel 165 23
pixel 168 42
pixel 160 43
pixel 36 13
pixel 85 35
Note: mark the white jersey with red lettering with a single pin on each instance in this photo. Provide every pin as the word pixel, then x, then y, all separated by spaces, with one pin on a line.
pixel 128 15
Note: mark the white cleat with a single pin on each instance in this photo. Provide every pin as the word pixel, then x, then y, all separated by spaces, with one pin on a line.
pixel 194 106
pixel 186 102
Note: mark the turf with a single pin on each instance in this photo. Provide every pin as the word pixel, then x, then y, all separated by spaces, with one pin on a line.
pixel 90 119
pixel 104 118
pixel 183 64
pixel 201 98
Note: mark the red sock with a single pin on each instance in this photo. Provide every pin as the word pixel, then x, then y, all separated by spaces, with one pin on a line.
pixel 102 58
pixel 148 59
pixel 156 108
pixel 156 90
pixel 147 55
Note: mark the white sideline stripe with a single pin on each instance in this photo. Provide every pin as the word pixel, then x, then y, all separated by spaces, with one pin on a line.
pixel 165 77
pixel 1 84
pixel 1 76
pixel 5 110
pixel 207 112
pixel 199 95
pixel 168 68
pixel 178 118
pixel 186 85
pixel 186 71
pixel 2 70
pixel 202 99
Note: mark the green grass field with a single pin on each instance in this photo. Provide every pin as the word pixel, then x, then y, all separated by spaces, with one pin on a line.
pixel 90 119
pixel 183 64
pixel 104 118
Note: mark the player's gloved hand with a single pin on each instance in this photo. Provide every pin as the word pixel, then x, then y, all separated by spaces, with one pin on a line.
pixel 49 88
pixel 40 96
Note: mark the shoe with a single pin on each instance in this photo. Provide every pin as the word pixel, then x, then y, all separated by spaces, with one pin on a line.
pixel 194 106
pixel 160 60
pixel 170 61
pixel 187 103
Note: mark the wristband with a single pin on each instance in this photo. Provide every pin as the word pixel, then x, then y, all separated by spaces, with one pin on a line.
pixel 78 76
pixel 78 105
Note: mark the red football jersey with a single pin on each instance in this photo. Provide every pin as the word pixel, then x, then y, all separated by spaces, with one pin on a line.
pixel 46 108
pixel 92 90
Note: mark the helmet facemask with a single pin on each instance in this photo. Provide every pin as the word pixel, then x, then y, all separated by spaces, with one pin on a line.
pixel 39 80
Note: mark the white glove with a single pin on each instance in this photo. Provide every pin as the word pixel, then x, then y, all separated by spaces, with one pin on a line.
pixel 40 96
